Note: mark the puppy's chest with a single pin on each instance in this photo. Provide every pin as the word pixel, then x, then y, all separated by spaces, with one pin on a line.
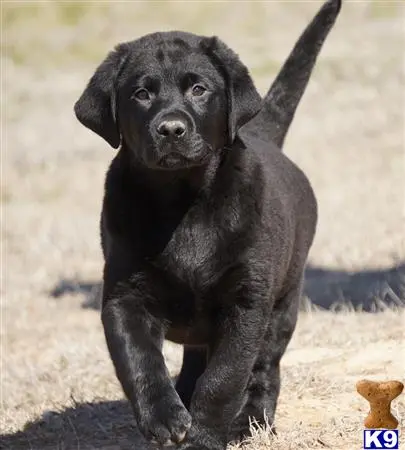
pixel 195 253
pixel 194 244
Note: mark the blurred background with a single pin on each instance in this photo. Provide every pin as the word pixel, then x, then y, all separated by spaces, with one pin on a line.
pixel 348 136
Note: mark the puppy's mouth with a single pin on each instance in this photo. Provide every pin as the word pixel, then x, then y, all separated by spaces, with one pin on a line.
pixel 181 156
pixel 175 160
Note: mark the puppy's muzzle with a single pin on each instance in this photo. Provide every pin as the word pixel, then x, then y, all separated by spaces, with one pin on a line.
pixel 175 140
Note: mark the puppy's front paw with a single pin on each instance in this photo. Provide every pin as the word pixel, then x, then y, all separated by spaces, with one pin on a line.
pixel 240 428
pixel 195 447
pixel 201 446
pixel 167 421
pixel 199 439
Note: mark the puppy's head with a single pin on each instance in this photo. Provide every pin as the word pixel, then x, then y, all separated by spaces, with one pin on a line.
pixel 174 99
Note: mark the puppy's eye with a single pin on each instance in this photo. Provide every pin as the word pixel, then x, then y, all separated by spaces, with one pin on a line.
pixel 142 94
pixel 198 90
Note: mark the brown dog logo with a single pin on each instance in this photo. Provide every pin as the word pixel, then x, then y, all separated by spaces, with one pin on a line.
pixel 380 396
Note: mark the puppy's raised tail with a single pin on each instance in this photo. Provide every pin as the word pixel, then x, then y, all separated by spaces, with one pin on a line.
pixel 283 97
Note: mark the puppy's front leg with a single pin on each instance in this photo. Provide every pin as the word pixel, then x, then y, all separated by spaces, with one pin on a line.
pixel 219 392
pixel 134 338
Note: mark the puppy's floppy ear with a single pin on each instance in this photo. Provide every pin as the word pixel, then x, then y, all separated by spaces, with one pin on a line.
pixel 244 102
pixel 96 108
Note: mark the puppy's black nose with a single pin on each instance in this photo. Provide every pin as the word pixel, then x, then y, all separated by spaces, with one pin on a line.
pixel 172 128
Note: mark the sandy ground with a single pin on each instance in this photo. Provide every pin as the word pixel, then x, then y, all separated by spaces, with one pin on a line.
pixel 58 390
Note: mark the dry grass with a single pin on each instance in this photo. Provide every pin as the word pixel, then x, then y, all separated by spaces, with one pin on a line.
pixel 58 387
pixel 58 375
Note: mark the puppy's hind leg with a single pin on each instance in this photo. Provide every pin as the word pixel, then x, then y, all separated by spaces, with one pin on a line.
pixel 194 364
pixel 263 389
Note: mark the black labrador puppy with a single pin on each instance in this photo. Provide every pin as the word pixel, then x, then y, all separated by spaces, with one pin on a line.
pixel 206 227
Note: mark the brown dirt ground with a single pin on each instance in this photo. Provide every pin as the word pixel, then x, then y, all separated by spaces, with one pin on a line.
pixel 58 390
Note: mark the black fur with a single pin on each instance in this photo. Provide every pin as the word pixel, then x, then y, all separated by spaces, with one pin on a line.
pixel 206 228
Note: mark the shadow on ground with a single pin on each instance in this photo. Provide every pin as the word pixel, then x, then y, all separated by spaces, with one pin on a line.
pixel 368 290
pixel 106 425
